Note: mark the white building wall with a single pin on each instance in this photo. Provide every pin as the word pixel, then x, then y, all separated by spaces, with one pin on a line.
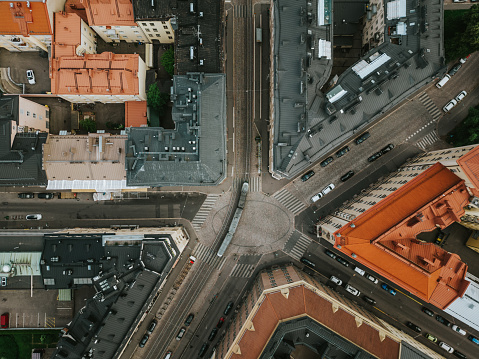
pixel 19 43
pixel 376 24
pixel 117 33
pixel 88 40
pixel 158 30
pixel 32 116
pixel 101 98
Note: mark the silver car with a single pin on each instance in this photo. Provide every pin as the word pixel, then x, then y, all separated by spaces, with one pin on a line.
pixel 31 77
pixel 352 290
pixel 33 217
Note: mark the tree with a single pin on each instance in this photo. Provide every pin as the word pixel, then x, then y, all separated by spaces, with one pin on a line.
pixel 467 133
pixel 168 61
pixel 88 125
pixel 461 32
pixel 155 98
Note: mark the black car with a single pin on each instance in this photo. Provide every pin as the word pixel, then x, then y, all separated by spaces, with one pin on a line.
pixel 342 261
pixel 189 319
pixel 374 157
pixel 213 334
pixel 308 262
pixel 387 149
pixel 203 350
pixel 454 69
pixel 439 238
pixel 414 327
pixel 443 320
pixel 143 340
pixel 220 322
pixel 307 176
pixel 329 253
pixel 26 195
pixel 362 138
pixel 326 162
pixel 459 354
pixel 152 326
pixel 228 308
pixel 46 195
pixel 342 151
pixel 347 176
pixel 428 311
pixel 369 300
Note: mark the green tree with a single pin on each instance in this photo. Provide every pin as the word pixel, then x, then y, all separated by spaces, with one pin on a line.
pixel 88 125
pixel 467 133
pixel 168 61
pixel 461 32
pixel 155 98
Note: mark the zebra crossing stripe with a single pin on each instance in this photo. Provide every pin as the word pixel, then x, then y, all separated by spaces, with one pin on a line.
pixel 255 184
pixel 289 201
pixel 242 270
pixel 208 256
pixel 300 247
pixel 427 140
pixel 204 211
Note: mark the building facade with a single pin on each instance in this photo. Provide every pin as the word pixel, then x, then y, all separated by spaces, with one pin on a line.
pixel 73 36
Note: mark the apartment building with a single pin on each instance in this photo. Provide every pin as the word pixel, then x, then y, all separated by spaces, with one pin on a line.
pixel 73 36
pixel 157 19
pixel 106 78
pixel 28 25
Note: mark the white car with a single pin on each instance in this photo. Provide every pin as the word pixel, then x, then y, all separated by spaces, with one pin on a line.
pixel 31 77
pixel 4 281
pixel 371 278
pixel 459 330
pixel 352 290
pixel 316 197
pixel 461 95
pixel 336 280
pixel 449 105
pixel 33 217
pixel 446 347
pixel 327 189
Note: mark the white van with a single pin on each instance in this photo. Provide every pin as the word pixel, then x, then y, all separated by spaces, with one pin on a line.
pixel 446 347
pixel 359 270
pixel 443 81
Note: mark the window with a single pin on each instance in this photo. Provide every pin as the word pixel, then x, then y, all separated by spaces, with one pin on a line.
pixel 165 27
pixel 28 113
pixel 21 111
pixel 139 36
pixel 147 30
pixel 152 24
pixel 158 35
pixel 150 35
pixel 155 30
pixel 168 32
pixel 145 24
pixel 41 117
pixel 170 37
pixel 121 32
pixel 136 32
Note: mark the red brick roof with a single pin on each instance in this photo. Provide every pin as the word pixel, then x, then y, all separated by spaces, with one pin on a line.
pixel 469 163
pixel 23 20
pixel 67 34
pixel 384 237
pixel 135 113
pixel 109 12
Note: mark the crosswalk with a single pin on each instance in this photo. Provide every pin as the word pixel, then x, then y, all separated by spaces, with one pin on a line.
pixel 242 11
pixel 289 201
pixel 430 106
pixel 204 211
pixel 255 184
pixel 297 244
pixel 209 256
pixel 242 270
pixel 427 140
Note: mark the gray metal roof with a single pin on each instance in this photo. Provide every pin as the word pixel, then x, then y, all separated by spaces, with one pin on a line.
pixel 20 162
pixel 410 352
pixel 302 138
pixel 194 153
pixel 154 9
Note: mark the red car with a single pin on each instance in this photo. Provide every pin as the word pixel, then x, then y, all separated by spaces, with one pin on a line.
pixel 220 322
pixel 4 320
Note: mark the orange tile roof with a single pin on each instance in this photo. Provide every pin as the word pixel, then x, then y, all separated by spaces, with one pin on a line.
pixel 384 237
pixel 76 7
pixel 469 163
pixel 67 34
pixel 109 12
pixel 135 113
pixel 21 20
pixel 102 74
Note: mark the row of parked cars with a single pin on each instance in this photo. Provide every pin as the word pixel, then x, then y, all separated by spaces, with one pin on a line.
pixel 450 105
pixel 28 195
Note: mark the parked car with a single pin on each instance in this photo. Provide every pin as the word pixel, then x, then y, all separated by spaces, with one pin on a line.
pixel 180 333
pixel 203 350
pixel 449 105
pixel 4 281
pixel 369 300
pixel 413 327
pixel 347 176
pixel 326 162
pixel 374 157
pixel 430 337
pixel 359 270
pixel 308 262
pixel 461 95
pixel 352 290
pixel 188 320
pixel 342 151
pixel 33 217
pixel 46 195
pixel 342 261
pixel 192 259
pixel 220 322
pixel 458 330
pixel 168 355
pixel 336 280
pixel 316 197
pixel 454 69
pixel 446 347
pixel 456 353
pixel 473 339
pixel 331 254
pixel 428 311
pixel 328 189
pixel 213 334
pixel 387 149
pixel 307 176
pixel 144 340
pixel 26 195
pixel 362 138
pixel 439 238
pixel 152 326
pixel 5 320
pixel 31 77
pixel 228 308
pixel 388 289
pixel 371 278
pixel 443 320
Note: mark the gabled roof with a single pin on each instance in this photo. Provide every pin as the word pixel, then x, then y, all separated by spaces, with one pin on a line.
pixel 67 34
pixel 384 237
pixel 135 114
pixel 470 165
pixel 22 20
pixel 109 12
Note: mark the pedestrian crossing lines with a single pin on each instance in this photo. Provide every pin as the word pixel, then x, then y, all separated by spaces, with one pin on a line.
pixel 204 211
pixel 242 270
pixel 241 11
pixel 208 256
pixel 297 244
pixel 255 184
pixel 430 106
pixel 427 140
pixel 289 201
